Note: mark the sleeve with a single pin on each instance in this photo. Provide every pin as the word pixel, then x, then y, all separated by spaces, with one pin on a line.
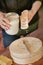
pixel 2 6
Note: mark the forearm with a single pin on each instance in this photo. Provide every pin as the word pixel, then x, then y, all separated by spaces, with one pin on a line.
pixel 35 7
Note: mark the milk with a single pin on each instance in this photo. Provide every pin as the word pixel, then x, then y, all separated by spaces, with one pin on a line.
pixel 14 22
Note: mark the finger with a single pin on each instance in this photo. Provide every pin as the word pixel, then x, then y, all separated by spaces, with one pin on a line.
pixel 25 13
pixel 6 21
pixel 3 25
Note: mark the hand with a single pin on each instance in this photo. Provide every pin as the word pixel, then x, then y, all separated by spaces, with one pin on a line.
pixel 24 19
pixel 26 15
pixel 4 22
